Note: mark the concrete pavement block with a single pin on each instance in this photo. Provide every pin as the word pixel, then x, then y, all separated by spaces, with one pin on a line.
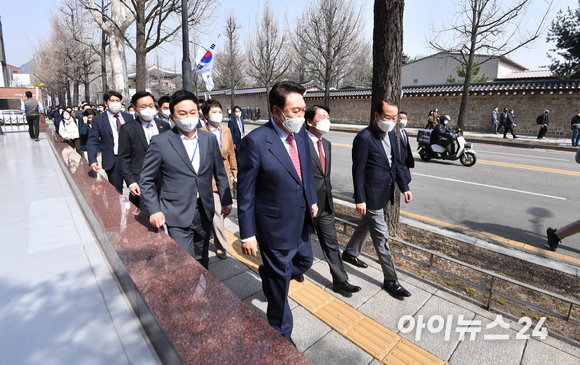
pixel 307 328
pixel 228 268
pixel 259 304
pixel 334 349
pixel 245 284
pixel 539 353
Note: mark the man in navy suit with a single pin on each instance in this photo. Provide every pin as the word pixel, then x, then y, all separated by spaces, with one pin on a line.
pixel 376 167
pixel 406 151
pixel 277 200
pixel 236 125
pixel 105 129
pixel 186 159
pixel 134 138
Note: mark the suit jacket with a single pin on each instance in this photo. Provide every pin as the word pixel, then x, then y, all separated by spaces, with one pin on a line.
pixel 180 184
pixel 235 129
pixel 322 179
pixel 273 204
pixel 132 148
pixel 228 154
pixel 406 155
pixel 509 121
pixel 372 175
pixel 101 131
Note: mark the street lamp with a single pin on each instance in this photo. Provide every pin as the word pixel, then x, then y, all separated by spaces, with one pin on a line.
pixel 186 63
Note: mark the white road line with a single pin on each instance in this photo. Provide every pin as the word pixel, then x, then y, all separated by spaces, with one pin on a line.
pixel 489 186
pixel 528 156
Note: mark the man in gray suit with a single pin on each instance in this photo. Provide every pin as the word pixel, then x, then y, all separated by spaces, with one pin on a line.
pixel 187 159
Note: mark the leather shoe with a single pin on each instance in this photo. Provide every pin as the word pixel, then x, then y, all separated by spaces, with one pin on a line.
pixel 345 288
pixel 395 289
pixel 353 260
pixel 553 239
pixel 299 278
pixel 261 271
pixel 221 254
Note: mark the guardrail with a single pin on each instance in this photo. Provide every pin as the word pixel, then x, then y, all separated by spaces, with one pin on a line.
pixel 489 289
pixel 13 123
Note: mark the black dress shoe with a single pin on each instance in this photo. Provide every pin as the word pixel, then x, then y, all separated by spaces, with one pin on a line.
pixel 299 278
pixel 261 269
pixel 345 288
pixel 553 240
pixel 395 289
pixel 353 260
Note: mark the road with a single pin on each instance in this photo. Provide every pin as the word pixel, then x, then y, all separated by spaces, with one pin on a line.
pixel 514 193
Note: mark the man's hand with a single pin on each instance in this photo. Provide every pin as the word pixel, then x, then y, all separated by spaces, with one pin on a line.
pixel 157 219
pixel 95 166
pixel 408 197
pixel 135 190
pixel 250 248
pixel 226 210
pixel 314 210
pixel 361 208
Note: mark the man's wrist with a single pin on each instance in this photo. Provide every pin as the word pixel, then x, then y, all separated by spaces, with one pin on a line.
pixel 133 184
pixel 248 239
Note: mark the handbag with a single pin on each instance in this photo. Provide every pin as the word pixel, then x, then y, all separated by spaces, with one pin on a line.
pixel 576 126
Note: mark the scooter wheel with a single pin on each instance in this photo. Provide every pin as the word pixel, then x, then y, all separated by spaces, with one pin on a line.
pixel 467 159
pixel 424 156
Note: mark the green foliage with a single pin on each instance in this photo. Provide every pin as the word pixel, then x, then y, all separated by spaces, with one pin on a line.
pixel 461 72
pixel 565 31
pixel 502 301
pixel 450 79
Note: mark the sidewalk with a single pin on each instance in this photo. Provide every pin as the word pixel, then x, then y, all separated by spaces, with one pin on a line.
pixel 59 303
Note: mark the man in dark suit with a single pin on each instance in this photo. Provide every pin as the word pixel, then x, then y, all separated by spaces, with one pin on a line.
pixel 376 167
pixel 105 129
pixel 544 121
pixel 509 124
pixel 186 159
pixel 277 200
pixel 134 138
pixel 405 152
pixel 236 125
pixel 318 123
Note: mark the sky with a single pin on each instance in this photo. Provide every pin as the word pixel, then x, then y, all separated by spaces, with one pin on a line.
pixel 25 28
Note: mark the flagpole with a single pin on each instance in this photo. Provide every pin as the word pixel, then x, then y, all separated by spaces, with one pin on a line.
pixel 186 63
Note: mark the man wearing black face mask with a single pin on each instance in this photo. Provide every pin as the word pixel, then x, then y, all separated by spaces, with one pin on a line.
pixel 544 122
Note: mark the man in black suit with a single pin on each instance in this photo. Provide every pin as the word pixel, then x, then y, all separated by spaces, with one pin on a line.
pixel 134 138
pixel 509 124
pixel 105 129
pixel 236 125
pixel 318 123
pixel 376 167
pixel 405 152
pixel 186 159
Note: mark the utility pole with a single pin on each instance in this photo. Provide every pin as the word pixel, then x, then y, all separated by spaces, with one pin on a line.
pixel 186 63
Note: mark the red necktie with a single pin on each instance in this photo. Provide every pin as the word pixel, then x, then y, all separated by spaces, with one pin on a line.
pixel 294 156
pixel 322 158
pixel 118 123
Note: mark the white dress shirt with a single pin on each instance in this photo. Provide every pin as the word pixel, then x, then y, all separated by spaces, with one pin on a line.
pixel 113 123
pixel 315 141
pixel 242 134
pixel 150 129
pixel 192 148
pixel 217 132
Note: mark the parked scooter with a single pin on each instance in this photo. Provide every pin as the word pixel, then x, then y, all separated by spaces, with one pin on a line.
pixel 458 149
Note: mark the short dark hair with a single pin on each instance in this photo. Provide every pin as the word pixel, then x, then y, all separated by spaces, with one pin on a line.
pixel 28 94
pixel 110 94
pixel 164 99
pixel 237 107
pixel 208 104
pixel 179 96
pixel 88 112
pixel 280 91
pixel 311 113
pixel 100 105
pixel 139 95
pixel 402 112
pixel 379 107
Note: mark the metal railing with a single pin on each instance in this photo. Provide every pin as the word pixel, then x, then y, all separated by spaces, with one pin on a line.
pixel 13 123
pixel 489 289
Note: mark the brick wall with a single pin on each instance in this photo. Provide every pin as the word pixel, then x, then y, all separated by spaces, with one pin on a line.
pixel 245 100
pixel 17 92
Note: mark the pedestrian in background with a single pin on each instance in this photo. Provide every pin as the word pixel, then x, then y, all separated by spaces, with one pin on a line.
pixel 406 152
pixel 429 120
pixel 494 119
pixel 69 131
pixel 575 125
pixel 32 108
pixel 236 126
pixel 509 124
pixel 544 122
pixel 502 119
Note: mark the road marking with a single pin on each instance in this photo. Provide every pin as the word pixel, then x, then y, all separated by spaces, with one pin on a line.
pixel 342 145
pixel 527 156
pixel 489 186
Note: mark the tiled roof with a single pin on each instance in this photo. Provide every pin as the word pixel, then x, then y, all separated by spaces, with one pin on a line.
pixel 527 75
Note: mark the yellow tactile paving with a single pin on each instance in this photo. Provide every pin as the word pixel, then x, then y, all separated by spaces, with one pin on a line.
pixel 340 316
pixel 377 340
pixel 407 353
pixel 373 338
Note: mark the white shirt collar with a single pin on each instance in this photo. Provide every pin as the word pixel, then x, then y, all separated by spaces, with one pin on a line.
pixel 313 137
pixel 186 138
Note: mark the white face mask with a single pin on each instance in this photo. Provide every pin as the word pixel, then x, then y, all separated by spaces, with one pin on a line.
pixel 165 113
pixel 579 114
pixel 402 123
pixel 115 107
pixel 132 113
pixel 66 116
pixel 323 126
pixel 386 125
pixel 238 115
pixel 147 114
pixel 293 124
pixel 216 118
pixel 101 110
pixel 445 122
pixel 122 109
pixel 187 125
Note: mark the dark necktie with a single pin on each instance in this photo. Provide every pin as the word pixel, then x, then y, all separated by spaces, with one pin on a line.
pixel 294 155
pixel 118 123
pixel 322 158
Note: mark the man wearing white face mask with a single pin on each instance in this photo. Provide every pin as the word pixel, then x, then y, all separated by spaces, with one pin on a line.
pixel 134 139
pixel 375 156
pixel 406 151
pixel 164 110
pixel 236 125
pixel 317 124
pixel 105 130
pixel 187 159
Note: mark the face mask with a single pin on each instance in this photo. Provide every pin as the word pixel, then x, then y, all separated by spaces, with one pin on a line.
pixel 402 123
pixel 132 113
pixel 89 120
pixel 101 110
pixel 122 109
pixel 579 114
pixel 187 125
pixel 238 115
pixel 445 122
pixel 293 124
pixel 386 125
pixel 323 126
pixel 165 113
pixel 66 116
pixel 68 110
pixel 216 118
pixel 147 114
pixel 115 107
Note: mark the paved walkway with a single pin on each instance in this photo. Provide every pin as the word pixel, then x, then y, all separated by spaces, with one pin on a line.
pixel 59 303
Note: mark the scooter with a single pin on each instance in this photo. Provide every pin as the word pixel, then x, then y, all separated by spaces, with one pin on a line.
pixel 429 150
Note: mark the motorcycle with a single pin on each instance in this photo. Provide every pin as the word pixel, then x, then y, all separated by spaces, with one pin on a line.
pixel 429 150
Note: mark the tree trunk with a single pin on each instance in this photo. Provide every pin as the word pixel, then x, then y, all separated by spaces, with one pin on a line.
pixel 268 100
pixel 140 47
pixel 87 88
pixel 466 84
pixel 388 61
pixel 232 101
pixel 119 63
pixel 76 92
pixel 327 88
pixel 104 62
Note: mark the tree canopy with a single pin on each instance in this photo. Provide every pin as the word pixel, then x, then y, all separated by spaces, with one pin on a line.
pixel 565 31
